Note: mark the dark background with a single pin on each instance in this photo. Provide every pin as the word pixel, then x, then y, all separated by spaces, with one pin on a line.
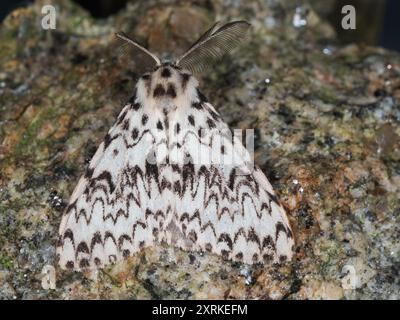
pixel 378 21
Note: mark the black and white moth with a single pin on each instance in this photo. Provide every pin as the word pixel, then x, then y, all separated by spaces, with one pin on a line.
pixel 169 171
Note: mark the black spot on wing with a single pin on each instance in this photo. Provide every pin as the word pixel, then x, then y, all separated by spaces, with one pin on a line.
pixel 125 125
pixel 97 261
pixel 82 247
pixel 279 228
pixel 171 91
pixel 126 253
pixel 224 237
pixel 96 239
pixel 84 263
pixel 68 234
pixel 184 80
pixel 146 76
pixel 108 139
pixel 177 187
pixel 108 235
pixel 201 96
pixel 210 123
pixel 165 73
pixel 252 236
pixel 105 175
pixel 214 115
pixel 268 243
pixel 121 117
pixel 122 239
pixel 225 254
pixel 232 176
pixel 197 105
pixel 255 258
pixel 89 173
pixel 159 125
pixel 165 184
pixel 152 171
pixel 192 236
pixel 159 91
pixel 273 198
pixel 135 133
pixel 145 118
pixel 268 257
pixel 136 106
pixel 191 120
pixel 177 128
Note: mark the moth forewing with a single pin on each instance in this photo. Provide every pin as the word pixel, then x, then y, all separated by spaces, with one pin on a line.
pixel 168 171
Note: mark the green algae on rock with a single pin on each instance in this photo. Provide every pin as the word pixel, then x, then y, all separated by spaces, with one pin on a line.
pixel 327 128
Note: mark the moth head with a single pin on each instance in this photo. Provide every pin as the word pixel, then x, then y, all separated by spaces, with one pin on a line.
pixel 167 80
pixel 211 46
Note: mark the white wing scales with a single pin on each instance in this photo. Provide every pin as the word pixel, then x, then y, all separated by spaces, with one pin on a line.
pixel 195 188
pixel 117 207
pixel 229 209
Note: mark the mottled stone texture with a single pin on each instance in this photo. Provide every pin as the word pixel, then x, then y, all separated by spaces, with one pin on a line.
pixel 327 128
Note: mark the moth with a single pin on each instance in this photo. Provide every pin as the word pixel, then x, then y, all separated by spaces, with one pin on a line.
pixel 168 171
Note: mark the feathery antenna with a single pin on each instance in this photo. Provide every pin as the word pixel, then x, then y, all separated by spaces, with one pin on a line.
pixel 213 44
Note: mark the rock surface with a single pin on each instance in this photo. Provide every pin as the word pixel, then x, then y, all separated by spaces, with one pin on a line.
pixel 327 127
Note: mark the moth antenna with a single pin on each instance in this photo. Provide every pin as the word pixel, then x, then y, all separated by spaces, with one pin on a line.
pixel 213 44
pixel 138 49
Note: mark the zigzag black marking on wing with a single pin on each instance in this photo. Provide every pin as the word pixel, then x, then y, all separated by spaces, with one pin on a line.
pixel 122 238
pixel 128 145
pixel 113 199
pixel 191 132
pixel 130 177
pixel 249 196
pixel 203 171
pixel 97 240
pixel 135 225
pixel 249 182
pixel 195 215
pixel 251 236
pixel 68 234
pixel 222 211
pixel 217 180
pixel 280 227
pixel 107 235
pixel 209 225
pixel 139 139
